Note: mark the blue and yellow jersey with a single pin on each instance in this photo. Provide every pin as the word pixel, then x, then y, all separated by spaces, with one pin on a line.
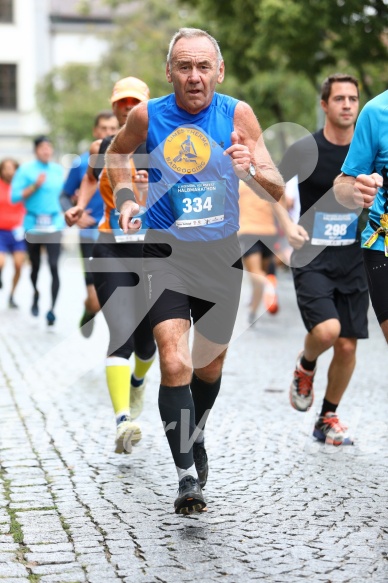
pixel 193 189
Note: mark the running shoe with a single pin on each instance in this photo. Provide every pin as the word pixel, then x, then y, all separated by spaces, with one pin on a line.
pixel 34 307
pixel 201 463
pixel 252 318
pixel 270 295
pixel 12 304
pixel 137 399
pixel 50 317
pixel 301 389
pixel 329 429
pixel 190 498
pixel 87 324
pixel 127 435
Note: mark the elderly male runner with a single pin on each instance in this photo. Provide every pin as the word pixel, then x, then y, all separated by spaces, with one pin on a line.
pixel 199 143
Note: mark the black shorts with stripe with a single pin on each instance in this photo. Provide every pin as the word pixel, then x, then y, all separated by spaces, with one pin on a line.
pixel 334 285
pixel 198 280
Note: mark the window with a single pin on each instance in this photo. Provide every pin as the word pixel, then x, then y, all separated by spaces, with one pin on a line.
pixel 6 10
pixel 7 86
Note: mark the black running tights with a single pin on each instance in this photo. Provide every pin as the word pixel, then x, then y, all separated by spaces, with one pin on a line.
pixel 53 252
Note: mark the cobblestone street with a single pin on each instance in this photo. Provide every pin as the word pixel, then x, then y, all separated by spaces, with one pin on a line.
pixel 282 508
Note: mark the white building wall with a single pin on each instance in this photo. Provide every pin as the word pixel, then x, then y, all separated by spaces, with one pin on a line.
pixel 24 43
pixel 76 48
pixel 35 46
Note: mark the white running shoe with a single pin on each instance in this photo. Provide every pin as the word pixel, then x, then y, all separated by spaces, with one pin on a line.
pixel 127 435
pixel 302 387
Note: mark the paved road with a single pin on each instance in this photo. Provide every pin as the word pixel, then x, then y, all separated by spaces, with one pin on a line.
pixel 282 508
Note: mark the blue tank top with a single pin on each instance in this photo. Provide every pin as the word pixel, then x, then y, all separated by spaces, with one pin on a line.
pixel 193 189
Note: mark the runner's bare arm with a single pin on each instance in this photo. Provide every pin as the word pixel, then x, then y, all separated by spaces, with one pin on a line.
pixel 248 147
pixel 126 142
pixel 354 192
pixel 296 234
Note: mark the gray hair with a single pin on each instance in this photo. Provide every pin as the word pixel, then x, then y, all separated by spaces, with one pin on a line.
pixel 193 33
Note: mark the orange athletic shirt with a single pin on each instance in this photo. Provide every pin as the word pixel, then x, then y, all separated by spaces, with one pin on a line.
pixel 107 197
pixel 256 214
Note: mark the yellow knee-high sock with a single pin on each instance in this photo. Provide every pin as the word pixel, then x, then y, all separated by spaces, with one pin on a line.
pixel 142 367
pixel 118 379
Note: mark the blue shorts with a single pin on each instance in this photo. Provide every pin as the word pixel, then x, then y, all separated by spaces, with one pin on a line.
pixel 10 241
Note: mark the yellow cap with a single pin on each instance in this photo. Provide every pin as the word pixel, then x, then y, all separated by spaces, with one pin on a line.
pixel 130 87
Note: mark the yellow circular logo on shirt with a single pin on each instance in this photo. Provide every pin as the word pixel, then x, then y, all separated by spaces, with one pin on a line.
pixel 187 150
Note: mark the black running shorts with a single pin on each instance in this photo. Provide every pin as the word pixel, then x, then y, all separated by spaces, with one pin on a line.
pixel 86 247
pixel 334 285
pixel 261 244
pixel 198 280
pixel 376 266
pixel 117 272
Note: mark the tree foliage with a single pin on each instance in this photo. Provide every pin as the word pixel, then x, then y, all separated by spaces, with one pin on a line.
pixel 301 35
pixel 140 42
pixel 277 52
pixel 278 45
pixel 69 99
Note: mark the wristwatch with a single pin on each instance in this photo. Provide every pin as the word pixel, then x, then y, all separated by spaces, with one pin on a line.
pixel 251 173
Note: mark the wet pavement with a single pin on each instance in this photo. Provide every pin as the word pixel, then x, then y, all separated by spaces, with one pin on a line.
pixel 281 507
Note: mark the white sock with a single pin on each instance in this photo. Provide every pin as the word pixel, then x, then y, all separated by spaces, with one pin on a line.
pixel 120 416
pixel 200 437
pixel 189 472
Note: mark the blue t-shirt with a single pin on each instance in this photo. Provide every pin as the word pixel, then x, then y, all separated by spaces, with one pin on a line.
pixel 193 189
pixel 73 182
pixel 43 209
pixel 368 153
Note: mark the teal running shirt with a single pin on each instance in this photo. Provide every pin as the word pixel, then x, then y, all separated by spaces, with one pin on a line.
pixel 368 153
pixel 43 209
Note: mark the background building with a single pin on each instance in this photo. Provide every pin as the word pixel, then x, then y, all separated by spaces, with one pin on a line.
pixel 36 36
